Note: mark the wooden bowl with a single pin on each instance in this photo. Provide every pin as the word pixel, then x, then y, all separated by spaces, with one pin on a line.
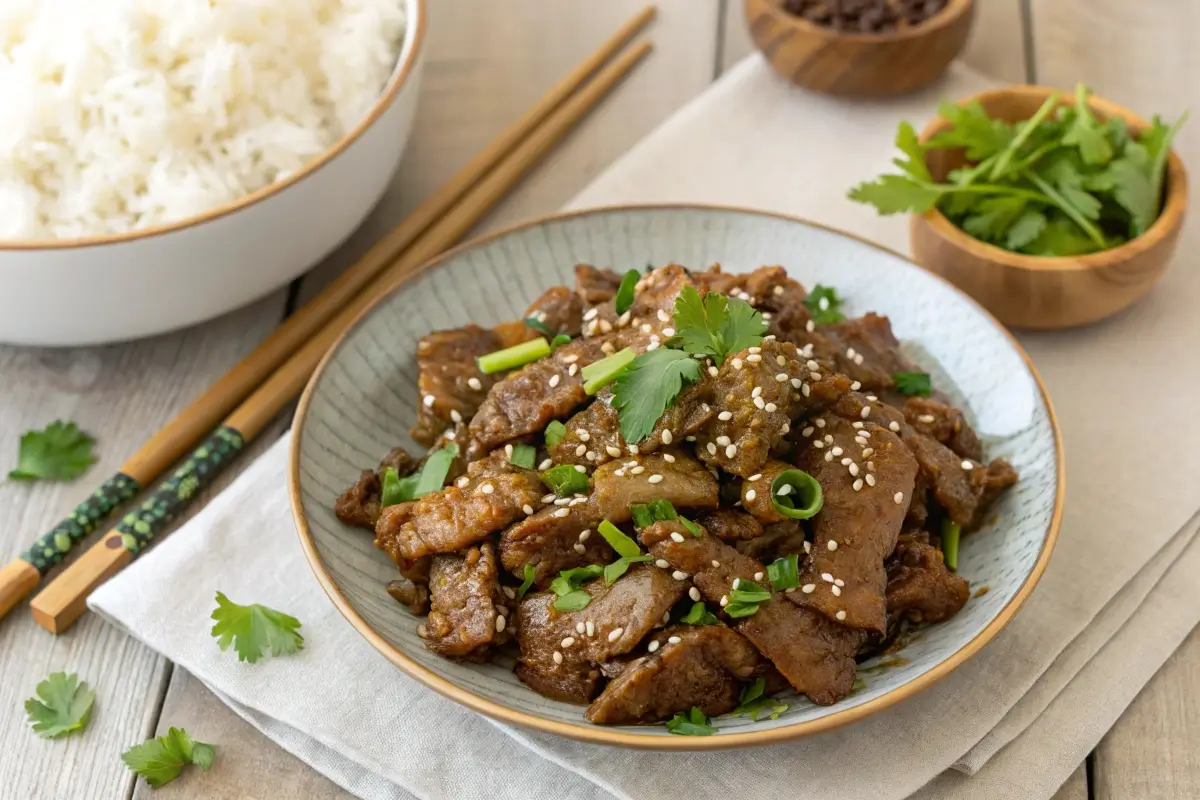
pixel 1039 292
pixel 858 64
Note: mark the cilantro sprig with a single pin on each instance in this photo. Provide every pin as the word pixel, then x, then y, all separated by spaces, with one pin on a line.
pixel 255 630
pixel 161 760
pixel 1061 183
pixel 63 705
pixel 58 452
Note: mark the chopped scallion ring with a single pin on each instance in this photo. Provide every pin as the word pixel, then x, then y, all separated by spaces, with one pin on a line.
pixel 784 572
pixel 598 375
pixel 564 480
pixel 555 432
pixel 523 455
pixel 950 536
pixel 802 500
pixel 512 357
pixel 624 298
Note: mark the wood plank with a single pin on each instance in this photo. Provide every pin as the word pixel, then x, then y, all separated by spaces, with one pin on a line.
pixel 1153 752
pixel 245 758
pixel 121 394
pixel 1076 787
pixel 488 63
pixel 997 44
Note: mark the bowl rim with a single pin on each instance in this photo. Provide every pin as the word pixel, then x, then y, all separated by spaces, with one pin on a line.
pixel 1170 218
pixel 598 734
pixel 953 11
pixel 408 57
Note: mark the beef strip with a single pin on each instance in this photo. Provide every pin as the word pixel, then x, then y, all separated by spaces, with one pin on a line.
pixel 487 499
pixel 465 599
pixel 526 400
pixel 714 280
pixel 559 309
pixel 596 285
pixel 865 349
pixel 691 667
pixel 778 539
pixel 756 492
pixel 944 423
pixel 594 434
pixel 621 484
pixel 991 482
pixel 920 587
pixel 857 526
pixel 653 309
pixel 446 360
pixel 359 505
pixel 814 653
pixel 634 605
pixel 550 542
pixel 730 525
pixel 781 301
pixel 756 394
pixel 411 594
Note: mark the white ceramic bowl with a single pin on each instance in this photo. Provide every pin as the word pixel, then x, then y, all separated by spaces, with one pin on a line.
pixel 363 398
pixel 112 288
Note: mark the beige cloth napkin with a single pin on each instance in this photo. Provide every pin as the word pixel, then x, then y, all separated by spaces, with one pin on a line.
pixel 1118 597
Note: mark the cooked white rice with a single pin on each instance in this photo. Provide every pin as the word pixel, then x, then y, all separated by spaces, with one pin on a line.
pixel 123 114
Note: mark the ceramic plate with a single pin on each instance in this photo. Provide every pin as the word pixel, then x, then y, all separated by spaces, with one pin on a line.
pixel 363 398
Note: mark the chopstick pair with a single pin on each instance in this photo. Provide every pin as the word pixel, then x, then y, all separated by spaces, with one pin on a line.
pixel 258 387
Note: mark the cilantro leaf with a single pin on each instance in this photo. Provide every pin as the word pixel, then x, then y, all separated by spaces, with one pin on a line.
pixel 973 129
pixel 692 723
pixel 913 384
pixel 1086 133
pixel 1060 237
pixel 743 327
pixel 897 194
pixel 699 321
pixel 65 705
pixel 824 305
pixel 648 387
pixel 908 143
pixel 254 629
pixel 993 217
pixel 539 326
pixel 59 452
pixel 753 702
pixel 1026 229
pixel 161 760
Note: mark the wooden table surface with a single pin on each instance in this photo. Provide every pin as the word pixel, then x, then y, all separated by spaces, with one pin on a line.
pixel 487 63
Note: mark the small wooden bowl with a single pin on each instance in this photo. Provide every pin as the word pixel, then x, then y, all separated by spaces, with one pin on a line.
pixel 858 64
pixel 1038 292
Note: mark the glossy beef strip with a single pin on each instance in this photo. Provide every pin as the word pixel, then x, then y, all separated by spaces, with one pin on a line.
pixel 781 301
pixel 411 594
pixel 714 280
pixel 755 395
pixel 920 587
pixel 691 666
pixel 778 539
pixel 450 383
pixel 487 499
pixel 559 309
pixel 756 492
pixel 594 434
pixel 865 349
pixel 867 476
pixel 359 505
pixel 814 653
pixel 596 285
pixel 991 482
pixel 730 525
pixel 526 400
pixel 465 602
pixel 616 620
pixel 944 423
pixel 653 309
pixel 670 475
pixel 557 538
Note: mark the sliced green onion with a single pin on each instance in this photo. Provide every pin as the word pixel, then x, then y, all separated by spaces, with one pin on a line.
pixel 738 610
pixel 913 384
pixel 525 584
pixel 566 586
pixel 784 572
pixel 624 298
pixel 555 432
pixel 950 537
pixel 598 375
pixel 693 528
pixel 559 340
pixel 573 601
pixel 565 480
pixel 753 691
pixel 538 325
pixel 693 723
pixel 523 455
pixel 749 592
pixel 434 471
pixel 645 515
pixel 512 357
pixel 699 615
pixel 753 702
pixel 621 566
pixel 625 547
pixel 801 500
pixel 396 490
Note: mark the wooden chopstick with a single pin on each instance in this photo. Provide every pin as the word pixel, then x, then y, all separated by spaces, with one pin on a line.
pixel 169 444
pixel 62 601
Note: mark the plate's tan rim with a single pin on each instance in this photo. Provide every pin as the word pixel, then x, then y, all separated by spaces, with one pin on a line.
pixel 397 80
pixel 598 734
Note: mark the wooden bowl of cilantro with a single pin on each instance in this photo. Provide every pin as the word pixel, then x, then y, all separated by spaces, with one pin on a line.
pixel 1050 209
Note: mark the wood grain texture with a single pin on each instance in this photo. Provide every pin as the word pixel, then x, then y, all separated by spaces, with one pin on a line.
pixel 119 393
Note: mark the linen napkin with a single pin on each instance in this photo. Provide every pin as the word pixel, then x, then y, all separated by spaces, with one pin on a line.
pixel 1118 597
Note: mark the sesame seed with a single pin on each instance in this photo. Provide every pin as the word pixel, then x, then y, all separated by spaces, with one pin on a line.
pixel 786 489
pixel 754 359
pixel 847 461
pixel 633 449
pixel 836 591
pixel 475 384
pixel 759 404
pixel 562 512
pixel 528 509
pixel 578 548
pixel 553 381
pixel 894 426
pixel 623 320
pixel 500 623
pixel 567 642
pixel 558 658
pixel 546 464
pixel 837 451
pixel 584 534
pixel 829 456
pixel 736 583
pixel 873 398
pixel 487 488
pixel 679 576
pixel 854 387
pixel 807 432
pixel 860 441
pixel 662 315
pixel 667 457
pixel 673 640
pixel 967 465
pixel 725 416
pixel 694 593
pixel 758 576
pixel 737 363
pixel 612 451
pixel 428 400
pixel 805 390
pixel 661 563
pixel 676 536
pixel 712 449
pixel 858 359
pixel 777 291
pixel 590 455
pixel 898 497
pixel 713 371
pixel 607 348
pixel 509 593
pixel 867 451
pixel 750 495
pixel 755 349
pixel 808 588
pixel 832 545
pixel 757 391
pixel 508 450
pixel 716 563
pixel 652 346
pixel 810 326
pixel 666 437
pixel 870 466
pixel 562 501
pixel 652 647
pixel 646 328
pixel 807 547
pixel 591 314
pixel 858 484
pixel 841 615
pixel 581 449
pixel 926 418
pixel 455 416
pixel 823 304
pixel 781 377
pixel 724 600
pixel 828 439
pixel 870 480
pixel 771 408
pixel 579 628
pixel 838 582
pixel 582 434
pixel 722 440
pixel 731 451
pixel 591 629
pixel 796 382
pixel 849 352
pixel 816 376
pixel 580 468
pixel 637 470
pixel 548 498
pixel 463 481
pixel 615 634
pixel 819 422
pixel 866 434
pixel 817 443
pixel 825 576
pixel 853 469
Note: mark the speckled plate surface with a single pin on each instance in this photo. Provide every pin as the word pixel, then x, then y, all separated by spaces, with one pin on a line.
pixel 363 399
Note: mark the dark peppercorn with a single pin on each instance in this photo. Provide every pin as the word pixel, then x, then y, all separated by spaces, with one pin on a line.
pixel 865 16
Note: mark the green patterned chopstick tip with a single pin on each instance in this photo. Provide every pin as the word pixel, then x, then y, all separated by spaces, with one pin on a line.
pixel 52 546
pixel 138 527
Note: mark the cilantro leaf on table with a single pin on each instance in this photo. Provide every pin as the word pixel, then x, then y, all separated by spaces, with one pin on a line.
pixel 59 452
pixel 254 630
pixel 162 759
pixel 648 387
pixel 63 705
pixel 824 305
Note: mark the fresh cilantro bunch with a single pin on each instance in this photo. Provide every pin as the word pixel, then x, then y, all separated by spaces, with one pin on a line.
pixel 1061 183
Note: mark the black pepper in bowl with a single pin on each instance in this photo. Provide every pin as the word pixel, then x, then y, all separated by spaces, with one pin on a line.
pixel 865 16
